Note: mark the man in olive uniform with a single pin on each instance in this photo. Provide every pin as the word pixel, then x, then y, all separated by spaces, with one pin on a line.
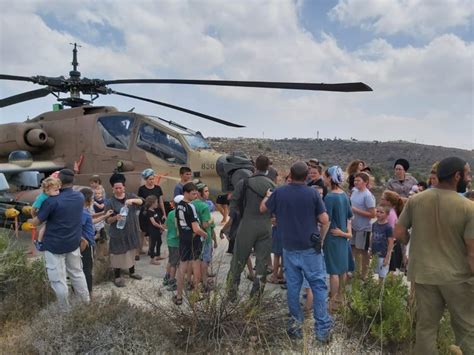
pixel 441 260
pixel 255 228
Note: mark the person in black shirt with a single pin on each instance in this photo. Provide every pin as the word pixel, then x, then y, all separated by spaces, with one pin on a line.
pixel 148 189
pixel 190 240
pixel 154 227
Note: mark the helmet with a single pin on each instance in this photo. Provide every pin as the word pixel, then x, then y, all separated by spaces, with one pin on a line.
pixel 147 173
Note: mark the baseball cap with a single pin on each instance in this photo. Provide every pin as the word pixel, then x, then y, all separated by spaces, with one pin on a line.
pixel 178 198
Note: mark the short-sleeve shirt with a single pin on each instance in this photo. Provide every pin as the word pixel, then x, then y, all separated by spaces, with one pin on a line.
pixel 440 221
pixel 204 215
pixel 156 215
pixel 178 189
pixel 380 235
pixel 363 200
pixel 144 191
pixel 296 207
pixel 39 200
pixel 63 214
pixel 339 210
pixel 88 230
pixel 185 216
pixel 171 234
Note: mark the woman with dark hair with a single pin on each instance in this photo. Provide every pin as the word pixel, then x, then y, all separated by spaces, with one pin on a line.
pixel 401 183
pixel 123 241
pixel 336 244
pixel 354 167
pixel 396 203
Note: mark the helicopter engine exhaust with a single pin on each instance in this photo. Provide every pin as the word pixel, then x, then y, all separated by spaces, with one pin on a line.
pixel 36 137
pixel 24 136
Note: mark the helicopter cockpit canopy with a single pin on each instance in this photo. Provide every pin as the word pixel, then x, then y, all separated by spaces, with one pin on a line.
pixel 116 131
pixel 196 141
pixel 161 144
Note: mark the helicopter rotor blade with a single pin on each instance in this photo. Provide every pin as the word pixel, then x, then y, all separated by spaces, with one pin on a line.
pixel 15 77
pixel 29 95
pixel 340 87
pixel 207 117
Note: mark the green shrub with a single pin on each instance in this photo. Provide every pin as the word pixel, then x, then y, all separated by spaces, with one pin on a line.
pixel 24 288
pixel 445 334
pixel 380 310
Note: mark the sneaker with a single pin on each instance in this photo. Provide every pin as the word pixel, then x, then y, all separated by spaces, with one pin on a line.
pixel 166 282
pixel 39 245
pixel 325 340
pixel 136 276
pixel 295 333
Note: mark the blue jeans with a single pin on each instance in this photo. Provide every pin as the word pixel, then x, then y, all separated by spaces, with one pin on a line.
pixel 311 265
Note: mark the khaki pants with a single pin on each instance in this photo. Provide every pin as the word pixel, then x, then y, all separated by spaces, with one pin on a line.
pixel 431 301
pixel 58 267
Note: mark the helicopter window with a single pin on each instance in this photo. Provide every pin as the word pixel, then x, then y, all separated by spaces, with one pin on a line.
pixel 161 144
pixel 196 141
pixel 116 131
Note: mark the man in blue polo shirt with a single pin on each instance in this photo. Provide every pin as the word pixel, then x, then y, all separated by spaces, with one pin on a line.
pixel 298 209
pixel 63 214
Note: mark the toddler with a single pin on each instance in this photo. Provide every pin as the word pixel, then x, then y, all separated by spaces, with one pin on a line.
pixel 51 186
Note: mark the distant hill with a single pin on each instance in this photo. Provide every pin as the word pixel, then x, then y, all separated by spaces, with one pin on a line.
pixel 380 156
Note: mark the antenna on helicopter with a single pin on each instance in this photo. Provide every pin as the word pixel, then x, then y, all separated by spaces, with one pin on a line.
pixel 74 73
pixel 131 110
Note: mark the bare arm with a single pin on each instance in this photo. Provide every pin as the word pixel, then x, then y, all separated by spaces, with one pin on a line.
pixel 162 207
pixel 340 233
pixel 370 213
pixel 197 230
pixel 391 242
pixel 101 216
pixel 134 201
pixel 401 233
pixel 323 218
pixel 155 224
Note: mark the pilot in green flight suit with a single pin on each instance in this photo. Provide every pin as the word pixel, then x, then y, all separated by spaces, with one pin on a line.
pixel 255 229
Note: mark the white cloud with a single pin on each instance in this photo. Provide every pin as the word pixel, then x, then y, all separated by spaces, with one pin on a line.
pixel 421 86
pixel 412 17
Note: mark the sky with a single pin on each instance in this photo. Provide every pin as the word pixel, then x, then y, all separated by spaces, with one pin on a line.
pixel 417 55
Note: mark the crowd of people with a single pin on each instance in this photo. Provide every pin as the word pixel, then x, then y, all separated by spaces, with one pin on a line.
pixel 322 225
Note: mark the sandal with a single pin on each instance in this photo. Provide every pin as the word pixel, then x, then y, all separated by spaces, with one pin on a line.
pixel 274 281
pixel 177 301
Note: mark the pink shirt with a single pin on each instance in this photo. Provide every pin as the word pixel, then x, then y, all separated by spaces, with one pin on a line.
pixel 392 218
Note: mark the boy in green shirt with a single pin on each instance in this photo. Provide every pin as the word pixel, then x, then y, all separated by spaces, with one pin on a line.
pixel 207 224
pixel 172 240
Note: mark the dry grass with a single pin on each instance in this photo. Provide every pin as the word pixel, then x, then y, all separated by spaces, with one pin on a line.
pixel 217 325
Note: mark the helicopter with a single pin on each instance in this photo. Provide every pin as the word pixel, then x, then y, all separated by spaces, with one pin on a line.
pixel 98 140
